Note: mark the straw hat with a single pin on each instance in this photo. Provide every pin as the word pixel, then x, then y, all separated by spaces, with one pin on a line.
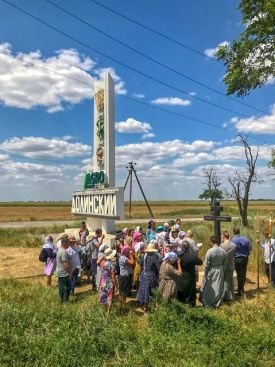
pixel 151 247
pixel 109 253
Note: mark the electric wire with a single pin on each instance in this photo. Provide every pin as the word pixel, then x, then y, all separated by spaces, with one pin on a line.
pixel 178 114
pixel 125 65
pixel 151 58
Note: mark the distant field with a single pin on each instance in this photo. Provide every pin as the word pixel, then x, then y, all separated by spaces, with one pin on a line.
pixel 34 211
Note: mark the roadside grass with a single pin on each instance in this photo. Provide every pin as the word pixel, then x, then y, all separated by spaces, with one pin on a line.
pixel 37 331
pixel 28 237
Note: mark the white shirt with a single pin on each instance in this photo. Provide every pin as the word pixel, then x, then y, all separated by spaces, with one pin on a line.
pixel 74 257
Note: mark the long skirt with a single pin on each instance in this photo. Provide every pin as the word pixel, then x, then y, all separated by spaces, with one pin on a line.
pixel 147 282
pixel 50 266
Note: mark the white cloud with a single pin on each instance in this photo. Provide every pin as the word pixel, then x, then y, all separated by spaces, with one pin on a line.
pixel 148 136
pixel 52 82
pixel 138 95
pixel 250 125
pixel 42 148
pixel 193 93
pixel 174 101
pixel 132 126
pixel 210 52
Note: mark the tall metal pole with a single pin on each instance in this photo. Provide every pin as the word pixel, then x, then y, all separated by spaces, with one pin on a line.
pixel 144 197
pixel 130 191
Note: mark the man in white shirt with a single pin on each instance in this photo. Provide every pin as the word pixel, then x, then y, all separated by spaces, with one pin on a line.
pixel 269 256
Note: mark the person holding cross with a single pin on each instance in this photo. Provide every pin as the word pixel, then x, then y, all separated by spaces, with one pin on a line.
pixel 269 257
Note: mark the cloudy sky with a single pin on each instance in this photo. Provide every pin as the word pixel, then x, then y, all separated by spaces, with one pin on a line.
pixel 171 115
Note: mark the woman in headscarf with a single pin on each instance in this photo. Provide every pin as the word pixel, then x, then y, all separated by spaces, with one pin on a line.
pixel 148 278
pixel 50 265
pixel 126 262
pixel 101 250
pixel 169 275
pixel 73 252
pixel 107 278
pixel 151 229
pixel 139 251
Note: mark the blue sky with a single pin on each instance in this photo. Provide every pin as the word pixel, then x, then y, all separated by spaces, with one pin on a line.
pixel 46 116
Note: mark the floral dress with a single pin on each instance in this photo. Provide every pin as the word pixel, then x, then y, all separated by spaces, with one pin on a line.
pixel 106 285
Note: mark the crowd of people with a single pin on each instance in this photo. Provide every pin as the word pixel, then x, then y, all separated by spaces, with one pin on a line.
pixel 162 257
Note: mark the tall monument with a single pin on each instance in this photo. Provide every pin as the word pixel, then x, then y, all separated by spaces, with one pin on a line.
pixel 100 200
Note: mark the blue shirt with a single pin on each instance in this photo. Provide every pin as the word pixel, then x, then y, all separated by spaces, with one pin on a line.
pixel 243 246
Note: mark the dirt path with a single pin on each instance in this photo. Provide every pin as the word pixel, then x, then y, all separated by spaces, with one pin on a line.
pixel 71 222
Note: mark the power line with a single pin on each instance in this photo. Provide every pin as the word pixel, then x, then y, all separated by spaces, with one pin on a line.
pixel 162 109
pixel 151 58
pixel 173 40
pixel 123 64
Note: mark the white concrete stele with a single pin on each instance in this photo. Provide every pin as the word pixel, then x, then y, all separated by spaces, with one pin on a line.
pixel 104 203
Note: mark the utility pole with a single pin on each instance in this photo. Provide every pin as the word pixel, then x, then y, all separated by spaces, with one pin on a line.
pixel 131 170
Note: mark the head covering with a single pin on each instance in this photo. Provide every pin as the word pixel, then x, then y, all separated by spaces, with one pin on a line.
pixel 176 227
pixel 159 229
pixel 171 257
pixel 128 240
pixel 139 246
pixel 109 253
pixel 185 245
pixel 181 234
pixel 189 233
pixel 138 228
pixel 125 250
pixel 136 236
pixel 103 247
pixel 151 247
pixel 151 236
pixel 125 230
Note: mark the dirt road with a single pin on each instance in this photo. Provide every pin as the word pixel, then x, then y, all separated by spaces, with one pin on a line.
pixel 71 222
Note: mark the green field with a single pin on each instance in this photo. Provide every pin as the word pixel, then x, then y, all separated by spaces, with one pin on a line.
pixel 36 331
pixel 34 211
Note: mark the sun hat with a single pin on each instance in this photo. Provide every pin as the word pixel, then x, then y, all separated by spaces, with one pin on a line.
pixel 181 234
pixel 151 247
pixel 109 253
pixel 103 247
pixel 172 257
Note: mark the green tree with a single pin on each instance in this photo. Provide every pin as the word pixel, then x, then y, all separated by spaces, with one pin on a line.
pixel 250 59
pixel 212 184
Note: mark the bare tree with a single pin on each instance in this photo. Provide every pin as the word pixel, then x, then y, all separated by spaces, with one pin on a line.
pixel 241 181
pixel 212 183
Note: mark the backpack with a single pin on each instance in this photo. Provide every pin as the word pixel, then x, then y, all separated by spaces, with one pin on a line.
pixel 43 256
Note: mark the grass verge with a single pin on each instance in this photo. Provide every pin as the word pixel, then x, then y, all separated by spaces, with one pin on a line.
pixel 37 331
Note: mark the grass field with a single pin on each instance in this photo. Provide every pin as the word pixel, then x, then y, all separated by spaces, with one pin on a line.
pixel 36 331
pixel 34 211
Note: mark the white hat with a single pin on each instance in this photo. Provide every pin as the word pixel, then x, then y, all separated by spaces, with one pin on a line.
pixel 109 253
